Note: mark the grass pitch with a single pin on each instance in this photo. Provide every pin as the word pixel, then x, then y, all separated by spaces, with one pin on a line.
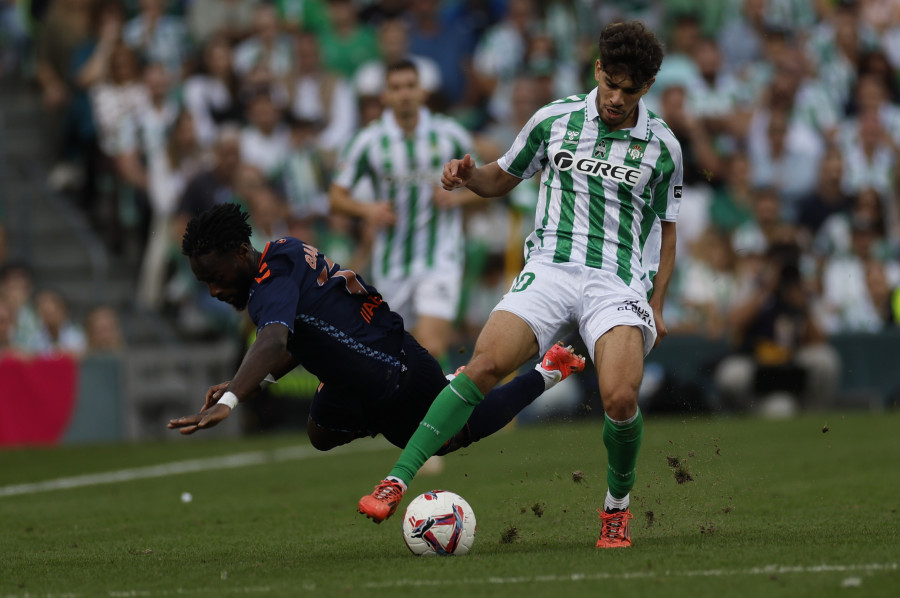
pixel 723 507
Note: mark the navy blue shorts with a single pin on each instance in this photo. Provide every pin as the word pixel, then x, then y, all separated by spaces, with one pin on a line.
pixel 397 414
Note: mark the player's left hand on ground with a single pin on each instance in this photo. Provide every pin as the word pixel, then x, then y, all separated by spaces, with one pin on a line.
pixel 214 393
pixel 205 419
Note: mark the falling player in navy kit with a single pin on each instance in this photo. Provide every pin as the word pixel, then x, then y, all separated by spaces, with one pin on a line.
pixel 375 378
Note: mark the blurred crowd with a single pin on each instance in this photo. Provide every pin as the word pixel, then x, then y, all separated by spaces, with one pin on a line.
pixel 788 112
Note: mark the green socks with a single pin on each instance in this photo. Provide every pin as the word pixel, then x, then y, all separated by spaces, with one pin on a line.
pixel 623 442
pixel 446 416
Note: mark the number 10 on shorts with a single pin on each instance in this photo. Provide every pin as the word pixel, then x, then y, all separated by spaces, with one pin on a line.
pixel 522 281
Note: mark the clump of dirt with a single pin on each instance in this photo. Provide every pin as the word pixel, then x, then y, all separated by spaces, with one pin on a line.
pixel 510 535
pixel 577 476
pixel 651 518
pixel 708 529
pixel 682 475
pixel 825 429
pixel 538 509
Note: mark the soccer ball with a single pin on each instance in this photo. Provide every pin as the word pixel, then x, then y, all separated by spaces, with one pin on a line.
pixel 439 522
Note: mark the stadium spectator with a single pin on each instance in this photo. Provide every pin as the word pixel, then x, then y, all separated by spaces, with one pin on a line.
pixel 7 330
pixel 393 45
pixel 846 303
pixel 826 200
pixel 449 44
pixel 17 291
pixel 169 167
pixel 103 330
pixel 305 180
pixel 732 201
pixel 779 345
pixel 708 285
pixel 66 27
pixel 870 155
pixel 212 186
pixel 227 19
pixel 265 138
pixel 297 16
pixel 346 43
pixel 158 37
pixel 59 334
pixel 267 50
pixel 323 97
pixel 212 95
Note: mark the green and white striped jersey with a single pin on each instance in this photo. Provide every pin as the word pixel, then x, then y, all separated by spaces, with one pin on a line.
pixel 603 193
pixel 407 171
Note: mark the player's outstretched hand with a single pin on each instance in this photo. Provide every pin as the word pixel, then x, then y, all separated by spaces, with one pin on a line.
pixel 457 172
pixel 214 393
pixel 205 419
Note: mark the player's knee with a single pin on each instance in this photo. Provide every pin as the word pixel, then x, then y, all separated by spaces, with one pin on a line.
pixel 620 403
pixel 485 371
pixel 323 439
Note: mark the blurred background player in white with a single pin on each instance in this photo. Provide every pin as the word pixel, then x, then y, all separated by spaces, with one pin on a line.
pixel 417 258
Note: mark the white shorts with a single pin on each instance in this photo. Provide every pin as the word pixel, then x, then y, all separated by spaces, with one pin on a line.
pixel 554 299
pixel 431 293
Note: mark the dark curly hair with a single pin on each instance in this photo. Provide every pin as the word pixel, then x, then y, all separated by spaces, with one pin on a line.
pixel 220 230
pixel 630 49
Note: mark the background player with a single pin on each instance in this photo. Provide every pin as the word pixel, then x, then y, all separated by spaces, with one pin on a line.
pixel 604 241
pixel 417 257
pixel 309 311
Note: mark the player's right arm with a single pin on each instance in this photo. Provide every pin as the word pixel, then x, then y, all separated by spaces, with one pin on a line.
pixel 264 355
pixel 378 213
pixel 487 181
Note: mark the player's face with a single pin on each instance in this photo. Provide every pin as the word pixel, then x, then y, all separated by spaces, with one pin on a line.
pixel 227 276
pixel 617 98
pixel 402 92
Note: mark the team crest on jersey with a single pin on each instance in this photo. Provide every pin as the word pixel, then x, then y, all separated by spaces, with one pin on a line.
pixel 600 150
pixel 636 152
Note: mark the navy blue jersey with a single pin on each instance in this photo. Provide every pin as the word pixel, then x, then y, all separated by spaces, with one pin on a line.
pixel 340 329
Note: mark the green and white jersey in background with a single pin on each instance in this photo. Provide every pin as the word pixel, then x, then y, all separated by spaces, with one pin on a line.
pixel 407 171
pixel 603 193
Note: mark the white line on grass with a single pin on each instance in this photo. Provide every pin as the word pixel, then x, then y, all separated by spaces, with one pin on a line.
pixel 578 577
pixel 292 453
pixel 487 581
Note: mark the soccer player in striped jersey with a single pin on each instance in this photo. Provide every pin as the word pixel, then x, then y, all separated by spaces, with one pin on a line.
pixel 375 378
pixel 599 260
pixel 417 258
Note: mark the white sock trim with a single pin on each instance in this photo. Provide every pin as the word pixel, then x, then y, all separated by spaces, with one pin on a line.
pixel 625 422
pixel 398 480
pixel 551 377
pixel 612 504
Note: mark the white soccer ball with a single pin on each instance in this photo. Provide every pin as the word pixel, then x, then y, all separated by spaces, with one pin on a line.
pixel 439 522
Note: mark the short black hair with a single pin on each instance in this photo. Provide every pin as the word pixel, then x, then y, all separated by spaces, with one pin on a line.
pixel 403 64
pixel 630 48
pixel 219 230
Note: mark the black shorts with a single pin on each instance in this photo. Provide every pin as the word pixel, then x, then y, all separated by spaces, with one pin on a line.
pixel 395 415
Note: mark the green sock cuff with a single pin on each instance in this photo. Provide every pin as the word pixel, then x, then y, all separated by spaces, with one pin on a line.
pixel 623 443
pixel 466 390
pixel 635 424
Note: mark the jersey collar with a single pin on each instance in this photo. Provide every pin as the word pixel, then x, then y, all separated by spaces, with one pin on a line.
pixel 641 130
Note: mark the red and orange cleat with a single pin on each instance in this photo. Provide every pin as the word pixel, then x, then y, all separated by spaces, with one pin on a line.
pixel 563 360
pixel 614 530
pixel 383 501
